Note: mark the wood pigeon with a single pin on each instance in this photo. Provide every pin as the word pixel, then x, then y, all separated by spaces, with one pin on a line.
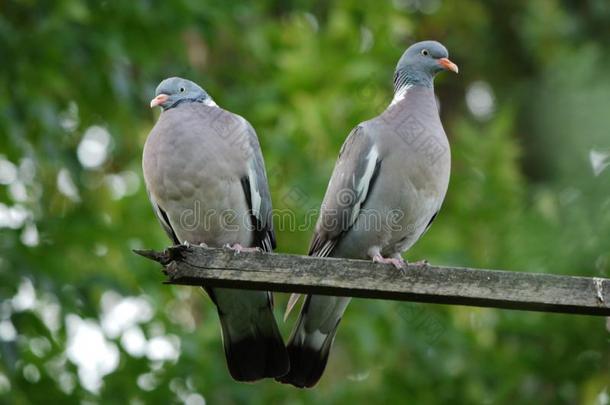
pixel 206 180
pixel 386 189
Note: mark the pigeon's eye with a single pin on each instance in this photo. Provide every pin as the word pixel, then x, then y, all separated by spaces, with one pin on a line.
pixel 425 52
pixel 182 89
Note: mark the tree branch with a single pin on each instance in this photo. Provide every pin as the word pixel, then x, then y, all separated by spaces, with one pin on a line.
pixel 200 266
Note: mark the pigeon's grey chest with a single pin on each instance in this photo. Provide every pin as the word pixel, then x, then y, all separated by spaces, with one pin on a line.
pixel 415 153
pixel 185 156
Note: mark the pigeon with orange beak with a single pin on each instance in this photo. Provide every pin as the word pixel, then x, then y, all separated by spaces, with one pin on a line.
pixel 206 180
pixel 386 189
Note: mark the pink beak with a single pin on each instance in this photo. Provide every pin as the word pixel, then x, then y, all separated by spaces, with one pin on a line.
pixel 160 99
pixel 448 65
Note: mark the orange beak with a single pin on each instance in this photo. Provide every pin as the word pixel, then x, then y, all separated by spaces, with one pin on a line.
pixel 448 65
pixel 160 99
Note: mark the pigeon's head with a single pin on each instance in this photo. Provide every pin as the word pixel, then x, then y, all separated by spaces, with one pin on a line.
pixel 175 90
pixel 422 61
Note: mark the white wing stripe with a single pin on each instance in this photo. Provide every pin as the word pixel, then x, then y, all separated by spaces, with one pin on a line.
pixel 363 185
pixel 255 195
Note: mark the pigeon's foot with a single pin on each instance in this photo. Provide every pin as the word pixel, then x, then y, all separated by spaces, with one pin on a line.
pixel 237 248
pixel 397 262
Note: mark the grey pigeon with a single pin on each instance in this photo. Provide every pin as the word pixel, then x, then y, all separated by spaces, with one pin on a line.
pixel 386 189
pixel 206 180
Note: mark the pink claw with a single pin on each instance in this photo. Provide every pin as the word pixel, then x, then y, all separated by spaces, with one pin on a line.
pixel 399 263
pixel 239 248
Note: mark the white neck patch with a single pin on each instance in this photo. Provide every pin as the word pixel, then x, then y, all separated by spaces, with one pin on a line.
pixel 400 94
pixel 209 102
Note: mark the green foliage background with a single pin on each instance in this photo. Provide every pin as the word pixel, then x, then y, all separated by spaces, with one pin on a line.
pixel 523 195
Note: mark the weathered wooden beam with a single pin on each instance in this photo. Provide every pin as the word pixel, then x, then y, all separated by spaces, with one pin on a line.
pixel 200 266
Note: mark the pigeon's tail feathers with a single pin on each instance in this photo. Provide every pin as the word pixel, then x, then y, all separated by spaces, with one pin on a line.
pixel 308 358
pixel 254 348
pixel 312 338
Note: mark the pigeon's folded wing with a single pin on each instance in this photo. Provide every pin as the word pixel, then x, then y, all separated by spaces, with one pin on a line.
pixel 256 189
pixel 351 183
